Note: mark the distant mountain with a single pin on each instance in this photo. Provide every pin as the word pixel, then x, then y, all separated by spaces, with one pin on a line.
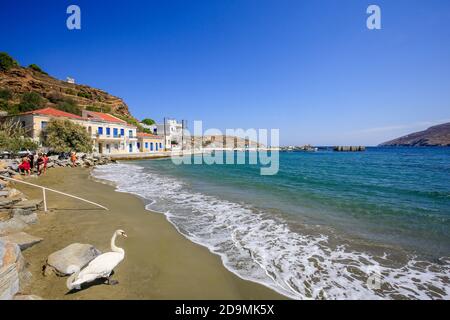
pixel 434 136
pixel 222 141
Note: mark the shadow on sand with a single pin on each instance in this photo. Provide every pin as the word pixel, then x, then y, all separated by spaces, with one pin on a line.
pixel 96 282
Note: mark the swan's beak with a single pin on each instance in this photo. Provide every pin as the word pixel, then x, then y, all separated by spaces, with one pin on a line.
pixel 124 234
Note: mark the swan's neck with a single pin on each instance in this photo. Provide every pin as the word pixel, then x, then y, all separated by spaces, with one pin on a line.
pixel 114 248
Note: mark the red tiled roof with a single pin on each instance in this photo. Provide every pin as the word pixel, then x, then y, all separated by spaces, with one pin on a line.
pixel 104 117
pixel 147 135
pixel 52 112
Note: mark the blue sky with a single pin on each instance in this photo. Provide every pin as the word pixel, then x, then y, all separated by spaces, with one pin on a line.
pixel 308 67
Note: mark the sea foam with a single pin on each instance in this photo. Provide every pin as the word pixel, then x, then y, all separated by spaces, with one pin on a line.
pixel 260 247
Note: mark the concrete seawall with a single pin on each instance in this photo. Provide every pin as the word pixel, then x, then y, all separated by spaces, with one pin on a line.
pixel 349 148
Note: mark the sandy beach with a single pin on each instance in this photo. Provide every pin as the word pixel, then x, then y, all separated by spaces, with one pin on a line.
pixel 159 264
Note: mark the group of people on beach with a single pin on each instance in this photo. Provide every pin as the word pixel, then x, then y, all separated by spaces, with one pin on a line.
pixel 29 162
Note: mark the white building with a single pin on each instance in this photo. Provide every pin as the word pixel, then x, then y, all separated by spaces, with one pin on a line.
pixel 109 134
pixel 173 134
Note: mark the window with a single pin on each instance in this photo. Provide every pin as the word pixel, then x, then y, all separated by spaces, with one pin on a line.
pixel 160 145
pixel 115 130
pixel 151 146
pixel 130 133
pixel 44 125
pixel 155 131
pixel 156 146
pixel 138 145
pixel 100 130
pixel 146 145
pixel 122 132
pixel 108 131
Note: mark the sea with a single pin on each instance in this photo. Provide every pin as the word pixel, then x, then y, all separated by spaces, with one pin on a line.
pixel 328 225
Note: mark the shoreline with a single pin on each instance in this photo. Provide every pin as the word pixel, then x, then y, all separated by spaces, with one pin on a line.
pixel 160 263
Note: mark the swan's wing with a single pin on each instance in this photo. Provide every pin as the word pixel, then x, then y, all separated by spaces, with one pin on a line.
pixel 101 266
pixel 84 278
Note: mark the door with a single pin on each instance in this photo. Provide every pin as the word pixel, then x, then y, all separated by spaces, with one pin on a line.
pixel 130 147
pixel 100 148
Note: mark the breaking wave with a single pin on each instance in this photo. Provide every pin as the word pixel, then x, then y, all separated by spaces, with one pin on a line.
pixel 262 247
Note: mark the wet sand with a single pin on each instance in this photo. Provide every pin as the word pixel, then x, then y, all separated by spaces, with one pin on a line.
pixel 159 262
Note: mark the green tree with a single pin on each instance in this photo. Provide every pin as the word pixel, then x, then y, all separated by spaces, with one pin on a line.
pixel 5 94
pixel 64 103
pixel 69 106
pixel 84 94
pixel 13 137
pixel 4 105
pixel 71 92
pixel 9 107
pixel 35 67
pixel 103 108
pixel 65 136
pixel 148 121
pixel 31 101
pixel 7 62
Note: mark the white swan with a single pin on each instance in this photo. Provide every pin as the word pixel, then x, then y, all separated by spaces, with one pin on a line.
pixel 100 267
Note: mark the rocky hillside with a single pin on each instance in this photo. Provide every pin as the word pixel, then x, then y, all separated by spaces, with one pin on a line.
pixel 31 88
pixel 434 136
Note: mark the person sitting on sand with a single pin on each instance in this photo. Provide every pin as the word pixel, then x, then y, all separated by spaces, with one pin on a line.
pixel 24 167
pixel 73 158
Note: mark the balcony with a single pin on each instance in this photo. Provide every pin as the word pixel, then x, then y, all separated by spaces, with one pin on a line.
pixel 113 137
pixel 107 136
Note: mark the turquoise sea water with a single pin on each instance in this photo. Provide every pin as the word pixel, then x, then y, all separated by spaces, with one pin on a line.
pixel 323 227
